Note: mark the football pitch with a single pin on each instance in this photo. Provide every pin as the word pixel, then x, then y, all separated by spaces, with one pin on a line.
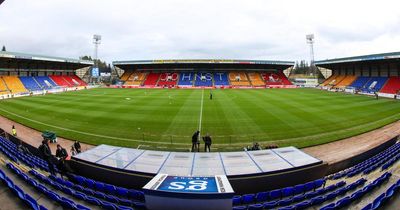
pixel 166 118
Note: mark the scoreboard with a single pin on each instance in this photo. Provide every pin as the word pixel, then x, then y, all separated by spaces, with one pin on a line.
pixel 178 192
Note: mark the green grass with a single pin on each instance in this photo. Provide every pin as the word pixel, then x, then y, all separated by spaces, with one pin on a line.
pixel 166 118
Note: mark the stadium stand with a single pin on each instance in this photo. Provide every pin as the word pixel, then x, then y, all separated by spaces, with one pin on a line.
pixel 392 86
pixel 126 75
pixel 186 78
pixel 78 80
pixel 152 79
pixel 255 79
pixel 346 81
pixel 315 193
pixel 221 79
pixel 14 84
pixel 360 82
pixel 204 79
pixel 329 80
pixel 168 79
pixel 136 78
pixel 3 87
pixel 374 84
pixel 70 81
pixel 278 78
pixel 336 80
pixel 60 81
pixel 30 83
pixel 45 82
pixel 239 79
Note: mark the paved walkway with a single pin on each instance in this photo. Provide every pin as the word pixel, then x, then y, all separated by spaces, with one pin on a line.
pixel 34 137
pixel 343 149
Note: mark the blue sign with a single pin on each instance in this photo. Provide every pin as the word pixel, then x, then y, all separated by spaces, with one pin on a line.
pixel 189 184
pixel 95 72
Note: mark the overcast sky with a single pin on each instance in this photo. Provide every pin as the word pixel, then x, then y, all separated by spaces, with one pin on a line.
pixel 164 29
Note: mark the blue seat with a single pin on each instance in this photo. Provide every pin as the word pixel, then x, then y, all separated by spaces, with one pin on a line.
pixel 122 191
pixel 239 208
pixel 79 195
pixel 81 207
pixel 275 194
pixel 303 205
pixel 343 202
pixel 319 183
pixel 378 201
pixel 285 202
pixel 236 200
pixel 93 200
pixel 270 205
pixel 261 196
pixel 67 203
pixel 356 195
pixel 311 194
pixel 53 196
pixel 331 195
pixel 288 191
pixel 108 205
pixel 331 206
pixel 112 199
pixel 287 208
pixel 318 200
pixel 309 186
pixel 99 186
pixel 299 189
pixel 367 207
pixel 255 207
pixel 89 183
pixel 298 198
pixel 340 184
pixel 110 189
pixel 31 202
pixel 248 198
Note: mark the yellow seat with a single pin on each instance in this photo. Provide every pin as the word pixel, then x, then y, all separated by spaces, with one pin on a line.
pixel 255 79
pixel 14 84
pixel 239 79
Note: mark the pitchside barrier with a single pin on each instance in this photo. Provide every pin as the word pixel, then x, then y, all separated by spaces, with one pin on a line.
pixel 49 91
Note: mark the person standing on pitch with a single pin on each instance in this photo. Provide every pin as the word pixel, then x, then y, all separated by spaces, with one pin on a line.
pixel 210 95
pixel 207 143
pixel 195 141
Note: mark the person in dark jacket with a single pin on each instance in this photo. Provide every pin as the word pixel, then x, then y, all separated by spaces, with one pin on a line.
pixel 61 153
pixel 45 152
pixel 195 141
pixel 207 143
pixel 77 146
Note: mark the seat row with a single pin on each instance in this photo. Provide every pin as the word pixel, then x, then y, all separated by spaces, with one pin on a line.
pixel 63 201
pixel 279 193
pixel 358 194
pixel 313 198
pixel 371 163
pixel 96 198
pixel 84 182
pixel 384 197
pixel 29 200
pixel 11 150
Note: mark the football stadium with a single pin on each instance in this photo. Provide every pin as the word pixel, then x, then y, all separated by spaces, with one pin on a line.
pixel 234 134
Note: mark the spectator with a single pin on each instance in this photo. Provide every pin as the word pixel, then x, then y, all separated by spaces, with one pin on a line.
pixel 77 146
pixel 256 146
pixel 73 151
pixel 45 152
pixel 14 131
pixel 61 153
pixel 195 141
pixel 207 143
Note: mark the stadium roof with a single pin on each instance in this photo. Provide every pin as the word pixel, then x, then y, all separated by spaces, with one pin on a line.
pixel 362 58
pixel 14 60
pixel 203 63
